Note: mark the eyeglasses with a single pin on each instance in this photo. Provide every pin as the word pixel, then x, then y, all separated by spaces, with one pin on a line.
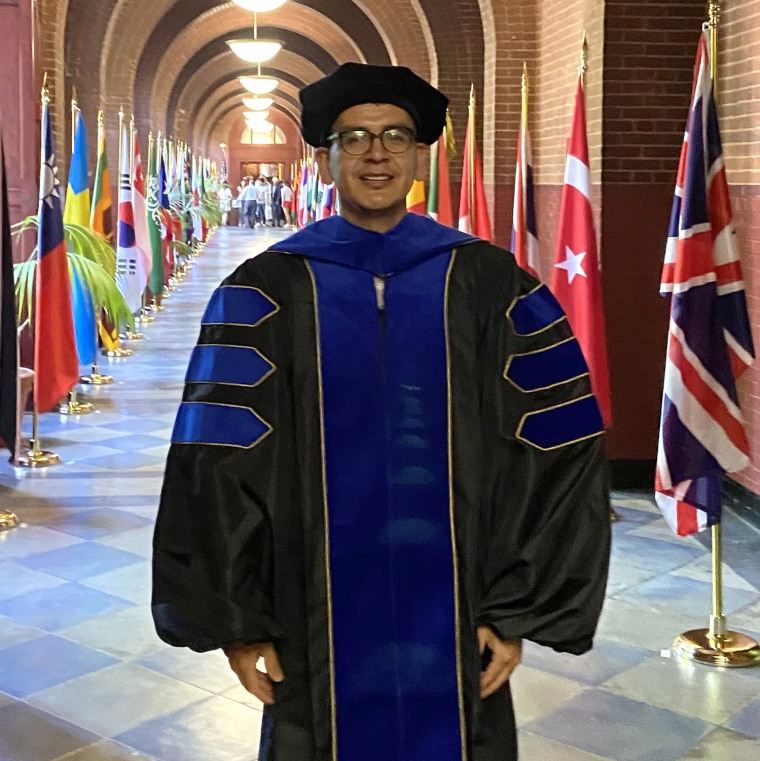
pixel 357 142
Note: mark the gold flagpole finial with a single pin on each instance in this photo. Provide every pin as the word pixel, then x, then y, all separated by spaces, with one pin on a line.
pixel 524 80
pixel 101 117
pixel 584 56
pixel 45 93
pixel 713 14
pixel 74 104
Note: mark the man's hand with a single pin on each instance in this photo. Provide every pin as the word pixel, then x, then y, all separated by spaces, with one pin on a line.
pixel 505 656
pixel 243 660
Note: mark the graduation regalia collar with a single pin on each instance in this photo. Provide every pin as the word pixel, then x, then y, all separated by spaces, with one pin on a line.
pixel 413 240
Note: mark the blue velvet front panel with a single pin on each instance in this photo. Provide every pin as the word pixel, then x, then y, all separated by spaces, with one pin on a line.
pixel 391 559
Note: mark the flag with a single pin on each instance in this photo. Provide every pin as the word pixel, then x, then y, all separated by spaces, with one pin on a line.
pixel 56 365
pixel 415 198
pixel 439 200
pixel 576 281
pixel 156 283
pixel 702 434
pixel 77 212
pixel 140 211
pixel 303 197
pixel 473 210
pixel 100 212
pixel 130 274
pixel 77 208
pixel 524 229
pixel 9 389
pixel 327 201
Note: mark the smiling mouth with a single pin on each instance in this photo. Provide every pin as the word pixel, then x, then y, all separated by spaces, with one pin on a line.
pixel 376 177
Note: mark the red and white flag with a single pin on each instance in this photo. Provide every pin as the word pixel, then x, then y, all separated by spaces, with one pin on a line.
pixel 575 276
pixel 140 210
pixel 473 209
pixel 524 228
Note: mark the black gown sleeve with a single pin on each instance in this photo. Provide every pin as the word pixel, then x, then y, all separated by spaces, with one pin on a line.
pixel 546 515
pixel 213 545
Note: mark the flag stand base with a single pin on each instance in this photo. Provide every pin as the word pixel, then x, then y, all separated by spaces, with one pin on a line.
pixel 73 407
pixel 37 458
pixel 7 520
pixel 130 336
pixel 733 650
pixel 117 353
pixel 96 379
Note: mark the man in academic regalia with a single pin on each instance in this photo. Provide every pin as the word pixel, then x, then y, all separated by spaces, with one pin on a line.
pixel 387 467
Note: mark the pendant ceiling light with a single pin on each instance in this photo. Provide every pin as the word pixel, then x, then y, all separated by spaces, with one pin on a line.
pixel 256 116
pixel 259 6
pixel 255 50
pixel 257 104
pixel 259 85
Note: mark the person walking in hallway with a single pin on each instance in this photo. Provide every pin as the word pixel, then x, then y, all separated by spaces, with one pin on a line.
pixel 287 202
pixel 383 474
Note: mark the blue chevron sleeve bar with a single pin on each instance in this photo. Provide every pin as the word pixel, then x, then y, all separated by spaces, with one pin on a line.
pixel 229 365
pixel 220 425
pixel 239 305
pixel 545 368
pixel 562 424
pixel 534 312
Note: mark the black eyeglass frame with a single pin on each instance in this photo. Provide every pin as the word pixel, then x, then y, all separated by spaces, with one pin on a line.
pixel 338 136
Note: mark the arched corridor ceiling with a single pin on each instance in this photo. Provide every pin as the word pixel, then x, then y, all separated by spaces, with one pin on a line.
pixel 146 56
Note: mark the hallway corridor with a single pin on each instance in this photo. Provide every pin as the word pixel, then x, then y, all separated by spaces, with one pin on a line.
pixel 83 676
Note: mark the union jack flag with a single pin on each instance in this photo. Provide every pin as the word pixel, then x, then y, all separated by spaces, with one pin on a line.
pixel 702 432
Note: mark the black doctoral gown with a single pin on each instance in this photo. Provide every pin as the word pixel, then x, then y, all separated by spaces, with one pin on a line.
pixel 385 441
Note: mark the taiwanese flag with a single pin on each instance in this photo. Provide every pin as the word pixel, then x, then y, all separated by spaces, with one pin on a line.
pixel 56 364
pixel 575 277
pixel 702 430
pixel 473 210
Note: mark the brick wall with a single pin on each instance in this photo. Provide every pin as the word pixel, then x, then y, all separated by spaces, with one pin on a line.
pixel 638 84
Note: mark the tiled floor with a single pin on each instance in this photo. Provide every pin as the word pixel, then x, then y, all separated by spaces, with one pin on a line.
pixel 83 676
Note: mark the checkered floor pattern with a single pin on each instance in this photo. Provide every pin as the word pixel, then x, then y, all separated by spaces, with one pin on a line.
pixel 83 676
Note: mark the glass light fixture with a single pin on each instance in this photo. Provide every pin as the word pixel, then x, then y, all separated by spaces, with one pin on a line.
pixel 257 104
pixel 259 85
pixel 255 51
pixel 256 116
pixel 259 6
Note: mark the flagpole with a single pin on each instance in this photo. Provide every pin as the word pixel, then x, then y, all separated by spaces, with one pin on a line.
pixel 144 318
pixel 717 645
pixel 128 334
pixel 582 69
pixel 471 161
pixel 153 148
pixel 95 378
pixel 72 405
pixel 36 457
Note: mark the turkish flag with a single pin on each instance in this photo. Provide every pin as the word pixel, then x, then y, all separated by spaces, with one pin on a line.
pixel 575 276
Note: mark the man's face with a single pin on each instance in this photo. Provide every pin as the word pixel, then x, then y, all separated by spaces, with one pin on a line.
pixel 373 186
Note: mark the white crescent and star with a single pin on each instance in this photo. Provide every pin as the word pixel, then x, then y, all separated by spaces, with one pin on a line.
pixel 573 264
